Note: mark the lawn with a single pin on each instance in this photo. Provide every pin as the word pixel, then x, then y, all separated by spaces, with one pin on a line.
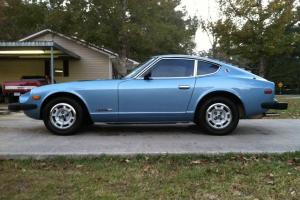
pixel 229 176
pixel 293 111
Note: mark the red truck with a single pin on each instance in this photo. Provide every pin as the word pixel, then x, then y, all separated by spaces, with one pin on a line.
pixel 13 89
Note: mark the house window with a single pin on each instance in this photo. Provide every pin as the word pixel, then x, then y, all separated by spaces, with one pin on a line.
pixel 62 71
pixel 59 71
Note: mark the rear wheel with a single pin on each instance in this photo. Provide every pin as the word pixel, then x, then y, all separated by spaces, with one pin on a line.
pixel 218 116
pixel 63 116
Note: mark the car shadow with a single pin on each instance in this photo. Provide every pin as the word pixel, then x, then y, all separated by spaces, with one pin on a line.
pixel 123 129
pixel 145 129
pixel 166 129
pixel 253 130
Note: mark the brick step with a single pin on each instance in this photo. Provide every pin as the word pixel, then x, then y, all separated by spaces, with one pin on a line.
pixel 4 112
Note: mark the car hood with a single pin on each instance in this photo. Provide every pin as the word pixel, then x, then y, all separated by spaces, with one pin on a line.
pixel 78 85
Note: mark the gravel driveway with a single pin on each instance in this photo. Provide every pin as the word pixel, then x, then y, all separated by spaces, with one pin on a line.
pixel 22 137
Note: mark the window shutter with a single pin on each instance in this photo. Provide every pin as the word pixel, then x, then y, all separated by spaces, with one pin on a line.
pixel 47 68
pixel 66 68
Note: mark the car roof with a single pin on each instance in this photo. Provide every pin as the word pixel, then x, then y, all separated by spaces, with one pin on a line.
pixel 191 57
pixel 231 66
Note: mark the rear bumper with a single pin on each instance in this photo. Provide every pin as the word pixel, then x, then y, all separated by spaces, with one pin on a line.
pixel 274 105
pixel 21 106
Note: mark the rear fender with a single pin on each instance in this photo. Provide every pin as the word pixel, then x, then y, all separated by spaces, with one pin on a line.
pixel 221 92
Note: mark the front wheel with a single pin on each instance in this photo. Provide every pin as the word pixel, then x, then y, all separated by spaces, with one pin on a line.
pixel 63 116
pixel 218 116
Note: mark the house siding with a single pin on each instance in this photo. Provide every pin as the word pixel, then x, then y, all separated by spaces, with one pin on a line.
pixel 92 64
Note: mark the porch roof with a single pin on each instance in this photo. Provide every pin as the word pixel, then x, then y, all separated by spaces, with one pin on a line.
pixel 34 50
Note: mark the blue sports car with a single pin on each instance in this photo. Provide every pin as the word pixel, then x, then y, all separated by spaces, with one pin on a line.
pixel 164 89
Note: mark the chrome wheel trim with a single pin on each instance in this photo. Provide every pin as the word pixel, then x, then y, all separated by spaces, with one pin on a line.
pixel 218 116
pixel 62 116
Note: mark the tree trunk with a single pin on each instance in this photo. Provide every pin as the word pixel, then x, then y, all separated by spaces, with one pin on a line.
pixel 122 69
pixel 298 83
pixel 122 61
pixel 214 49
pixel 262 67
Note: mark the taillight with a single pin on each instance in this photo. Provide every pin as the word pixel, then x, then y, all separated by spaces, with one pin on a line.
pixel 268 91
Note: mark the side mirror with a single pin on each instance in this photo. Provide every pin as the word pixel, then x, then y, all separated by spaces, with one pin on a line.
pixel 147 76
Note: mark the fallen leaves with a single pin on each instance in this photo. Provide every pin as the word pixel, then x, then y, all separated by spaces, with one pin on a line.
pixel 270 179
pixel 237 193
pixel 292 191
pixel 149 169
pixel 79 166
pixel 197 162
pixel 210 196
pixel 146 168
pixel 294 162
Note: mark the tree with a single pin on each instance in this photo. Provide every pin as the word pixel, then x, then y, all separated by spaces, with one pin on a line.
pixel 140 30
pixel 2 4
pixel 22 18
pixel 286 66
pixel 128 27
pixel 254 31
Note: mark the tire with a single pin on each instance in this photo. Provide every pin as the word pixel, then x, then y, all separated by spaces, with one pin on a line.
pixel 10 99
pixel 1 98
pixel 1 95
pixel 63 116
pixel 218 116
pixel 88 122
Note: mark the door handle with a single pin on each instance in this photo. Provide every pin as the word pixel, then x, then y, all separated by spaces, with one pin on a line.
pixel 184 87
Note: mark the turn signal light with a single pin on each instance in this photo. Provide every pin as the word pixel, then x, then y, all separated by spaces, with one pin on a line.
pixel 268 91
pixel 36 97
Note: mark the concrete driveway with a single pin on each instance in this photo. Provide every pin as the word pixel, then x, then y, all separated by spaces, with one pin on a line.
pixel 22 137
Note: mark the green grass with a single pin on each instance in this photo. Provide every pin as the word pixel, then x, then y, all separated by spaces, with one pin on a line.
pixel 293 111
pixel 229 176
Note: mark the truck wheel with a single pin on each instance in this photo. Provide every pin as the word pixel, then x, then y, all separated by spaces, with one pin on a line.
pixel 1 95
pixel 1 98
pixel 63 116
pixel 218 116
pixel 9 99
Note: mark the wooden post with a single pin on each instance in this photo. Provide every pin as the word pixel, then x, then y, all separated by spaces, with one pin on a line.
pixel 52 66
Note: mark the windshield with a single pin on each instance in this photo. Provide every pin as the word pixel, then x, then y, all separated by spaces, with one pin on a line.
pixel 139 68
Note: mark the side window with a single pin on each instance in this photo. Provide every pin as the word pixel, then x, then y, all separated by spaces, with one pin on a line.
pixel 173 68
pixel 206 68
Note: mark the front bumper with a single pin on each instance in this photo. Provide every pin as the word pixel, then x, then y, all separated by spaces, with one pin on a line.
pixel 14 107
pixel 275 105
pixel 12 92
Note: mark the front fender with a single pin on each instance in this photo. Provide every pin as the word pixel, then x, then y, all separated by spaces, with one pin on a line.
pixel 36 113
pixel 62 92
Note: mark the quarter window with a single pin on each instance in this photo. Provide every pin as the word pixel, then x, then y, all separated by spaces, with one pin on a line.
pixel 206 68
pixel 173 68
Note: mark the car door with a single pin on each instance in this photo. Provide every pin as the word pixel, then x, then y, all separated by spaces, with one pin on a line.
pixel 163 96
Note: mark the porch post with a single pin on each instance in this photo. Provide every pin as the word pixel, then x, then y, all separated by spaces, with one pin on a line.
pixel 52 66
